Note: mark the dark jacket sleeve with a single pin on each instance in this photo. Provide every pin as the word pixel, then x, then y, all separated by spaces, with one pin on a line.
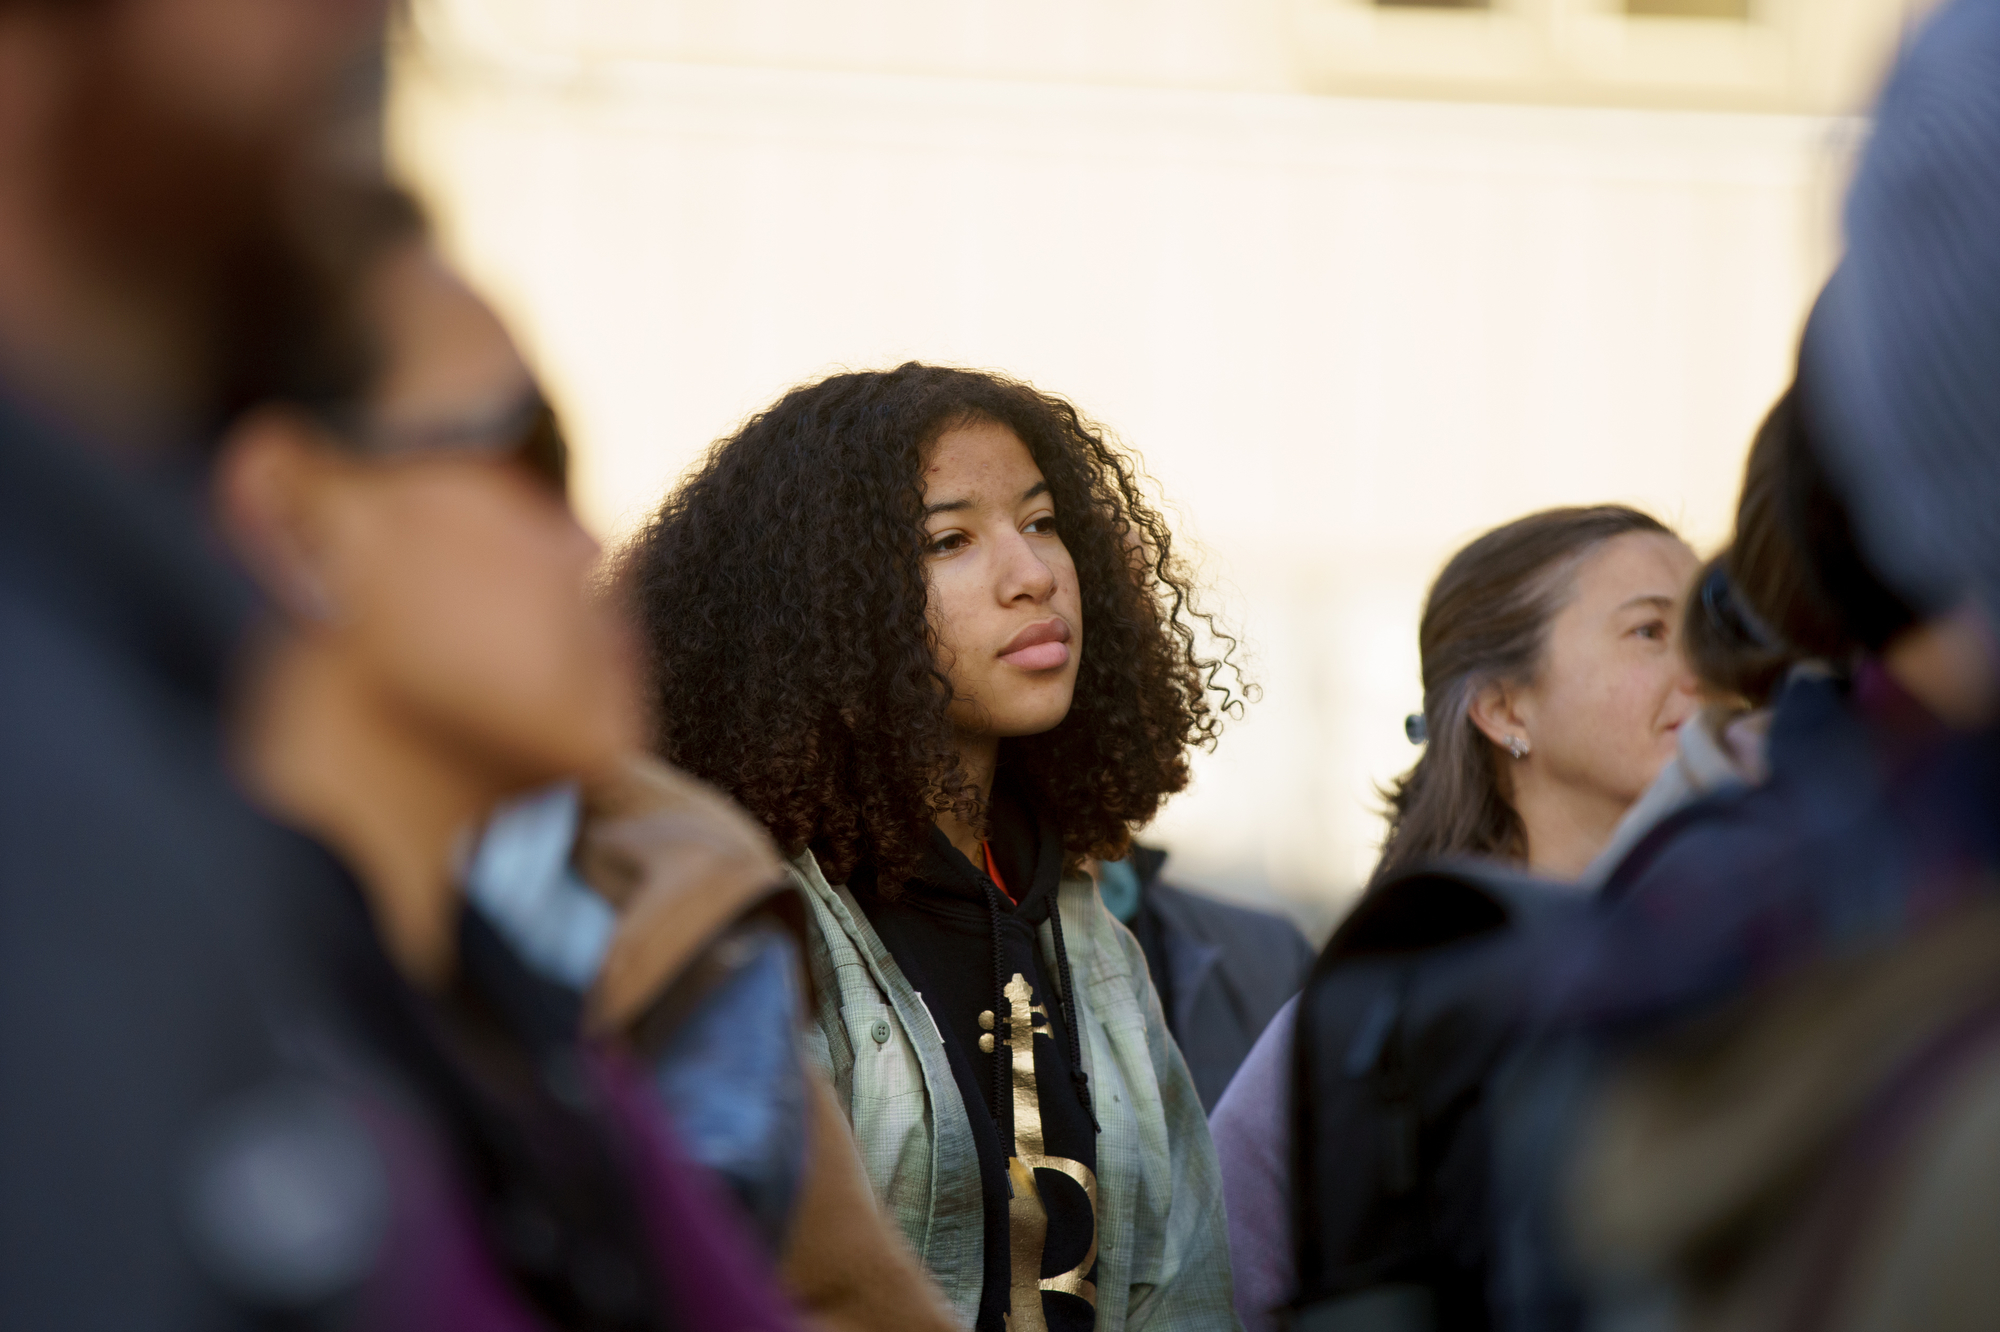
pixel 1232 969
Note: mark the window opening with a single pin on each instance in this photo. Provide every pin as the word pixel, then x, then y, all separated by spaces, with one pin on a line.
pixel 1709 9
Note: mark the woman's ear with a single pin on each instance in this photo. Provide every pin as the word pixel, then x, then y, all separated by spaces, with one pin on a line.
pixel 266 482
pixel 1494 712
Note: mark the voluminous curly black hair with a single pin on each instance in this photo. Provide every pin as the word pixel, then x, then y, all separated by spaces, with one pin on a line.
pixel 782 598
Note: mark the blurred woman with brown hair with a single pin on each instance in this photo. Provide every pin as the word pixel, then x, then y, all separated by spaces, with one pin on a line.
pixel 1553 688
pixel 1791 586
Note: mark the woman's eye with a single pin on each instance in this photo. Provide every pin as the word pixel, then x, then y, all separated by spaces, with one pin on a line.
pixel 1044 526
pixel 945 544
pixel 1653 629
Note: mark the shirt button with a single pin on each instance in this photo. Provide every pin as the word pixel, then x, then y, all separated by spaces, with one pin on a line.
pixel 880 1031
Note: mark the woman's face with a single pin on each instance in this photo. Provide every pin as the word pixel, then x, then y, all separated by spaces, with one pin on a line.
pixel 457 586
pixel 1003 590
pixel 1613 689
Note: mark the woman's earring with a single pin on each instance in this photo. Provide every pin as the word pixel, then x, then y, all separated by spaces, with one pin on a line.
pixel 1517 746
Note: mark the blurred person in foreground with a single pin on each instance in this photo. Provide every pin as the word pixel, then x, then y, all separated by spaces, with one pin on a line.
pixel 153 156
pixel 1791 593
pixel 1789 622
pixel 438 650
pixel 923 623
pixel 1553 690
pixel 1792 1004
pixel 1222 970
pixel 665 911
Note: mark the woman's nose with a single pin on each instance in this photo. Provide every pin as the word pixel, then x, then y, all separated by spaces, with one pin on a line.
pixel 1028 575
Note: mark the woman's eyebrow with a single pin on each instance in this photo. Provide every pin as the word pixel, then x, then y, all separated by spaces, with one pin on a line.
pixel 1649 599
pixel 960 505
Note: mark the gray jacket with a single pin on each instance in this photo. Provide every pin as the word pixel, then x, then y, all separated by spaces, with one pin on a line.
pixel 1163 1251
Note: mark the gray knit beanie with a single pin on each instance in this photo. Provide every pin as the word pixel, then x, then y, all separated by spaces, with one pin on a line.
pixel 1903 356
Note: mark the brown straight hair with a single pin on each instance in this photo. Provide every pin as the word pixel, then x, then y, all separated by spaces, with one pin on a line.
pixel 1793 585
pixel 1486 621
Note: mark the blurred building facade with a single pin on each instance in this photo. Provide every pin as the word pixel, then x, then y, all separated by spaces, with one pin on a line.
pixel 1357 279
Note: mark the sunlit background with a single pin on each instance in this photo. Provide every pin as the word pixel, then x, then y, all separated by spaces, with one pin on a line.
pixel 1356 279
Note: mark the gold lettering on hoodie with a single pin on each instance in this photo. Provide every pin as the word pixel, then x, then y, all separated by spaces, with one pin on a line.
pixel 1027 1219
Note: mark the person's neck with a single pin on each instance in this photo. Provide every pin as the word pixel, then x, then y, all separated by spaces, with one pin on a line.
pixel 111 360
pixel 978 755
pixel 1951 665
pixel 1566 827
pixel 326 756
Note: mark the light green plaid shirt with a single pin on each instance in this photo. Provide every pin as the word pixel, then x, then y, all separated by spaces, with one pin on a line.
pixel 1163 1246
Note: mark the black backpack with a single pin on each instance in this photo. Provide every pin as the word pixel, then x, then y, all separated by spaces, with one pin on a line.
pixel 1405 1017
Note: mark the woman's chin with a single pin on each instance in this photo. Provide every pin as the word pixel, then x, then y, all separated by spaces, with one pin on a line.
pixel 1021 722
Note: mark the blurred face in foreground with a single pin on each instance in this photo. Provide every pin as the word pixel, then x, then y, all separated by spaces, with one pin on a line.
pixel 444 633
pixel 1601 717
pixel 154 155
pixel 1003 590
pixel 462 583
pixel 175 124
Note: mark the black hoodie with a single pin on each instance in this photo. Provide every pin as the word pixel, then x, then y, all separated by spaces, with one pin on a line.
pixel 970 949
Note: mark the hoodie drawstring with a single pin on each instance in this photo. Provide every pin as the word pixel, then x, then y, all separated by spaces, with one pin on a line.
pixel 1065 998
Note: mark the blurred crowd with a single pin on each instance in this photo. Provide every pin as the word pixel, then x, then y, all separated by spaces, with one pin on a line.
pixel 413 916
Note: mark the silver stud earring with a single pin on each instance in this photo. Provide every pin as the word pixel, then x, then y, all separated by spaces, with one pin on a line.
pixel 1517 746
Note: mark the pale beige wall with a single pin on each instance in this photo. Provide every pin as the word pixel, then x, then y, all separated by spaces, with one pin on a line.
pixel 1345 335
pixel 1800 56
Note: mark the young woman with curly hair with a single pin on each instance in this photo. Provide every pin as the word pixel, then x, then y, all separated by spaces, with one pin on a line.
pixel 923 624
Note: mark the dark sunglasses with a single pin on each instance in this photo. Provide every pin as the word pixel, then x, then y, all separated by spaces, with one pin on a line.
pixel 526 434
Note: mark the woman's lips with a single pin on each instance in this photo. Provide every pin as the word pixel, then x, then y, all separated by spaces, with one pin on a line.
pixel 1039 647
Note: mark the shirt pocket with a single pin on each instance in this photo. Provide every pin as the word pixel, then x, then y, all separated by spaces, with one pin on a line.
pixel 890 1110
pixel 886 1070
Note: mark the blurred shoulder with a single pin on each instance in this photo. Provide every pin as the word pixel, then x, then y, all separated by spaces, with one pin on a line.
pixel 1225 923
